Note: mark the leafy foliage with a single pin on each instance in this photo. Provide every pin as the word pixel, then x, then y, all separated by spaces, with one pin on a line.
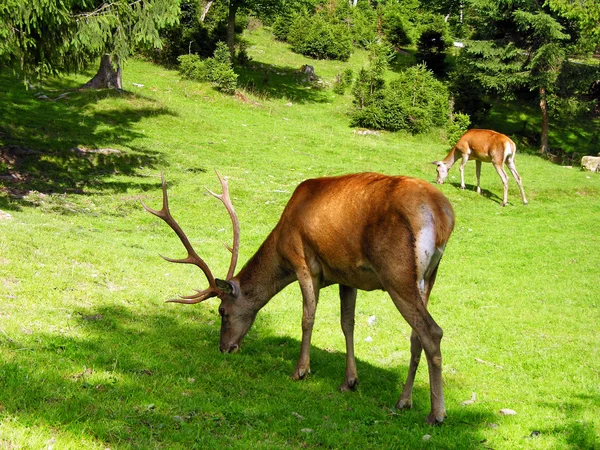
pixel 457 126
pixel 397 21
pixel 45 37
pixel 415 101
pixel 318 38
pixel 217 70
pixel 342 81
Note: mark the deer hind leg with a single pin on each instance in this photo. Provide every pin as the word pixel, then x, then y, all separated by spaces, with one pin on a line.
pixel 426 334
pixel 310 298
pixel 405 400
pixel 348 306
pixel 504 177
pixel 429 334
pixel 478 174
pixel 510 162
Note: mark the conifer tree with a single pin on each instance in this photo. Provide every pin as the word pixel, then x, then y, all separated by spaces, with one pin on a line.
pixel 48 37
pixel 517 44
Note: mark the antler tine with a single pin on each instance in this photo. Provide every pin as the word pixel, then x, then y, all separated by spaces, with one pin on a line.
pixel 195 298
pixel 224 197
pixel 192 257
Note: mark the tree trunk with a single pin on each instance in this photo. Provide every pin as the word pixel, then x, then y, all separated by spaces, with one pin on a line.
pixel 205 10
pixel 107 76
pixel 233 7
pixel 545 121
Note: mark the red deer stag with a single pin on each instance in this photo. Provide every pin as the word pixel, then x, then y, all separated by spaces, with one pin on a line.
pixel 363 231
pixel 482 146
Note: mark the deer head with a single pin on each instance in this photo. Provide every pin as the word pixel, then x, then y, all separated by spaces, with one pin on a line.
pixel 442 171
pixel 236 319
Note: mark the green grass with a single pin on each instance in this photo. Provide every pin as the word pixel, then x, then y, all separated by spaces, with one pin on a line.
pixel 91 357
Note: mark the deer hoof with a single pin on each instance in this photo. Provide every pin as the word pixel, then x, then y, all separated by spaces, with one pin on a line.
pixel 404 403
pixel 435 419
pixel 349 385
pixel 300 374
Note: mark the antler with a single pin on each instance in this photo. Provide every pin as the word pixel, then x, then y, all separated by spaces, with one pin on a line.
pixel 192 257
pixel 224 197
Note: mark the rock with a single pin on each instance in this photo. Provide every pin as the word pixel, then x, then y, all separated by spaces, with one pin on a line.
pixel 591 163
pixel 507 412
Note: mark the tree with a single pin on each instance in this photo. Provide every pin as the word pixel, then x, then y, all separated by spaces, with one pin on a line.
pixel 50 37
pixel 517 44
pixel 261 8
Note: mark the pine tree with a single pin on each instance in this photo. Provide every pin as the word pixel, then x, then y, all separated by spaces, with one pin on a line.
pixel 517 44
pixel 48 37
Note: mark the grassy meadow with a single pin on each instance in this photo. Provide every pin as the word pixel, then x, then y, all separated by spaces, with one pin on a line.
pixel 91 356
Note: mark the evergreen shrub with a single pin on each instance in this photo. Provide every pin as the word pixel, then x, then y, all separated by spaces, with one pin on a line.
pixel 217 70
pixel 317 38
pixel 415 101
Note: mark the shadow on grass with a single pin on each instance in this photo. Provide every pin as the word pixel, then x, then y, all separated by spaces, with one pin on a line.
pixel 277 82
pixel 484 192
pixel 58 145
pixel 579 434
pixel 143 380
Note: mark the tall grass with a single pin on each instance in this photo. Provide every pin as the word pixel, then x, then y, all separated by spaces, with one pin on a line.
pixel 91 357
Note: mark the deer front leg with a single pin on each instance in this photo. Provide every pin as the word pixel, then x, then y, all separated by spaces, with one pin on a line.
pixel 348 307
pixel 463 163
pixel 310 297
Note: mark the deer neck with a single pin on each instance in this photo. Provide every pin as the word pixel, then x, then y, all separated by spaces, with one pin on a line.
pixel 264 275
pixel 451 158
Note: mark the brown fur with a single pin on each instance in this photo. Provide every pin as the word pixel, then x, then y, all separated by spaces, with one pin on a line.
pixel 362 231
pixel 483 146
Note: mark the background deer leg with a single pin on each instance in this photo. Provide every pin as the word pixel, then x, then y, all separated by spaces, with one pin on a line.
pixel 348 306
pixel 310 297
pixel 513 169
pixel 463 163
pixel 504 177
pixel 478 173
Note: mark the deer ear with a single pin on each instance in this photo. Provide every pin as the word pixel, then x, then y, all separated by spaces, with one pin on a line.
pixel 226 286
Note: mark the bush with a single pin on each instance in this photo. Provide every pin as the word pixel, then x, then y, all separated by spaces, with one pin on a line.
pixel 398 28
pixel 415 102
pixel 217 70
pixel 281 26
pixel 457 127
pixel 192 67
pixel 342 81
pixel 317 38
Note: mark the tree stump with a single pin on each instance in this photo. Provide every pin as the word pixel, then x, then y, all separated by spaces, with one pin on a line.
pixel 107 75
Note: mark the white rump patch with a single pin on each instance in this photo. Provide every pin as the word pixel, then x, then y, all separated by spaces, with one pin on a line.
pixel 428 255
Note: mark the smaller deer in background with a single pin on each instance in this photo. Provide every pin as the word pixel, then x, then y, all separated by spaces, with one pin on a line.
pixel 482 146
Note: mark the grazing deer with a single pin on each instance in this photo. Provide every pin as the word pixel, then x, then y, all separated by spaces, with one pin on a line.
pixel 363 231
pixel 482 146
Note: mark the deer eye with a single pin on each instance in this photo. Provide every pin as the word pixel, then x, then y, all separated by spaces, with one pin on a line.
pixel 221 311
